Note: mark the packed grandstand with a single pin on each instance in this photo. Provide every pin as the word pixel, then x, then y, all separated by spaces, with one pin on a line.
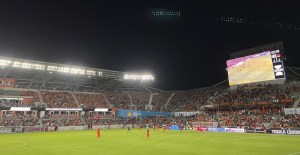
pixel 40 96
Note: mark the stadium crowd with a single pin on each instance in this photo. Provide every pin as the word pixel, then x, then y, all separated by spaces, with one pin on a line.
pixel 244 107
pixel 119 100
pixel 62 120
pixel 18 119
pixel 252 95
pixel 288 121
pixel 58 99
pixel 140 100
pixel 90 101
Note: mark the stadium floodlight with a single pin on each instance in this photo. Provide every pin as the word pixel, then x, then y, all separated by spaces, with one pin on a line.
pixel 4 62
pixel 77 71
pixel 64 69
pixel 142 77
pixel 27 65
pixel 38 66
pixel 90 72
pixel 16 64
pixel 52 68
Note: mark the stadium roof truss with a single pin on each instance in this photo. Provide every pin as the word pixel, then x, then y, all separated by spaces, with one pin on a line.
pixel 268 47
pixel 44 75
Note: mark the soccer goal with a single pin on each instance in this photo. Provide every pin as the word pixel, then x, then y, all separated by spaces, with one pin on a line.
pixel 204 125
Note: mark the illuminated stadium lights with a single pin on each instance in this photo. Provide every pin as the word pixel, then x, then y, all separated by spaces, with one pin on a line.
pixel 77 71
pixel 90 72
pixel 147 77
pixel 166 13
pixel 52 68
pixel 38 67
pixel 80 71
pixel 27 65
pixel 63 69
pixel 257 22
pixel 4 62
pixel 16 64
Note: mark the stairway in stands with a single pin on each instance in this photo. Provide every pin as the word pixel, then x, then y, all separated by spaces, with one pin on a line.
pixel 296 103
pixel 168 101
pixel 105 98
pixel 75 99
pixel 276 118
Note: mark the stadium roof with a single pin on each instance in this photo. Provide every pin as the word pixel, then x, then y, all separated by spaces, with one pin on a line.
pixel 41 75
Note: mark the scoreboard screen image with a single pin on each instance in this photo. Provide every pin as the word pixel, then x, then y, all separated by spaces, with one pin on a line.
pixel 258 67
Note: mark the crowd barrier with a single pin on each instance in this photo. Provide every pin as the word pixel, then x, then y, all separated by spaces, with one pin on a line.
pixel 71 128
pixel 283 131
pixel 136 113
pixel 235 130
pixel 174 127
pixel 118 126
pixel 18 129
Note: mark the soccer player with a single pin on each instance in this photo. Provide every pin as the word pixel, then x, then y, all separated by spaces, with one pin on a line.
pixel 200 129
pixel 98 134
pixel 164 128
pixel 148 134
pixel 128 130
pixel 154 128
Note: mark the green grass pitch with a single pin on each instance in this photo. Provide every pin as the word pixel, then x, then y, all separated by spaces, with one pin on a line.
pixel 119 142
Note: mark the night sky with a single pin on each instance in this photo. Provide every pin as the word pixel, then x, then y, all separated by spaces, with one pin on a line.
pixel 183 52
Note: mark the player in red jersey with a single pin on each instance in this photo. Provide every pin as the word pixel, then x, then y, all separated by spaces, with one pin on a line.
pixel 148 134
pixel 157 127
pixel 164 128
pixel 98 134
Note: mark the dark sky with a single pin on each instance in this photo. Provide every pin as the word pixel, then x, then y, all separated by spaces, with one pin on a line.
pixel 183 52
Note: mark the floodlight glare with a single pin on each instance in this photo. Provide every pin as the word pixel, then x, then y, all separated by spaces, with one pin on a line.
pixel 4 62
pixel 143 77
pixel 90 72
pixel 70 69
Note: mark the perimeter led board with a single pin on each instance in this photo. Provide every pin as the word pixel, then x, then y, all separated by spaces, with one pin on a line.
pixel 258 67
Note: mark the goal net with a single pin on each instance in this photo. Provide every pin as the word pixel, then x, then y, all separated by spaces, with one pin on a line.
pixel 197 125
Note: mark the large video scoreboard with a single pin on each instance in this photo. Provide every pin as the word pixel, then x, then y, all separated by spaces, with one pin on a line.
pixel 259 67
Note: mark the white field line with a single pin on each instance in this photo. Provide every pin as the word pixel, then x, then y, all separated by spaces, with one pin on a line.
pixel 13 147
pixel 294 153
